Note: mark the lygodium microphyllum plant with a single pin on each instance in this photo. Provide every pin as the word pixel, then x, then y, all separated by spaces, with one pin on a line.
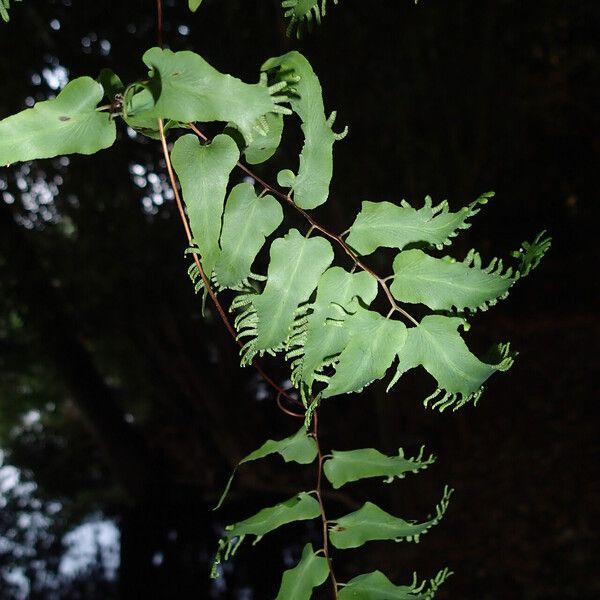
pixel 314 304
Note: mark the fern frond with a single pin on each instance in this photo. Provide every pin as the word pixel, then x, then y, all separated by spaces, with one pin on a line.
pixel 247 221
pixel 312 341
pixel 389 225
pixel 4 8
pixel 377 585
pixel 203 171
pixel 371 523
pixel 311 185
pixel 302 14
pixel 530 254
pixel 437 346
pixel 294 270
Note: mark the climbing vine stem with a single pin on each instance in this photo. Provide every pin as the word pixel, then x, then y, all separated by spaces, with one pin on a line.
pixel 320 459
pixel 280 391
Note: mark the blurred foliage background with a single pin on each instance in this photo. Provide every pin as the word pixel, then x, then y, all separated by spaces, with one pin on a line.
pixel 122 411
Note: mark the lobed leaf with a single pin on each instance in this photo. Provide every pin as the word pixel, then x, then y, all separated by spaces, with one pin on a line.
pixel 313 342
pixel 298 583
pixel 69 124
pixel 311 184
pixel 247 221
pixel 376 586
pixel 373 344
pixel 261 147
pixel 300 507
pixel 352 465
pixel 294 270
pixel 203 172
pixel 370 523
pixel 300 448
pixel 531 253
pixel 444 284
pixel 186 88
pixel 389 225
pixel 438 347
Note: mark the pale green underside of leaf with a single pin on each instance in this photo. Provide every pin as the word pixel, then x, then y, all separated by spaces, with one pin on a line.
pixel 371 523
pixel 69 124
pixel 311 184
pixel 247 221
pixel 314 342
pixel 531 253
pixel 389 225
pixel 376 586
pixel 188 89
pixel 352 465
pixel 300 507
pixel 263 147
pixel 373 344
pixel 298 583
pixel 444 284
pixel 294 270
pixel 194 5
pixel 203 172
pixel 300 448
pixel 438 347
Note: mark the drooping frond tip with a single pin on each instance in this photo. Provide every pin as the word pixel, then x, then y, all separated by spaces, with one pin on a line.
pixel 531 253
pixel 4 7
pixel 303 13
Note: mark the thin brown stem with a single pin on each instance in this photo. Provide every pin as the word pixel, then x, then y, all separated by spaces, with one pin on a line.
pixel 338 239
pixel 159 23
pixel 320 459
pixel 280 391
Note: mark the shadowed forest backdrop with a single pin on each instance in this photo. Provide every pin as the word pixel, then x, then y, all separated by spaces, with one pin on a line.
pixel 122 411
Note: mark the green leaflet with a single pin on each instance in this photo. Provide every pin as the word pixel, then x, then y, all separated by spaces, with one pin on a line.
pixel 374 342
pixel 247 221
pixel 376 586
pixel 69 124
pixel 444 284
pixel 437 345
pixel 314 342
pixel 311 184
pixel 386 224
pixel 194 5
pixel 262 147
pixel 186 88
pixel 299 582
pixel 530 254
pixel 300 507
pixel 203 172
pixel 302 12
pixel 300 448
pixel 4 7
pixel 294 270
pixel 371 523
pixel 352 465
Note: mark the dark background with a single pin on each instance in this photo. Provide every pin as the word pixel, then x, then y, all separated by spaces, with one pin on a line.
pixel 119 402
